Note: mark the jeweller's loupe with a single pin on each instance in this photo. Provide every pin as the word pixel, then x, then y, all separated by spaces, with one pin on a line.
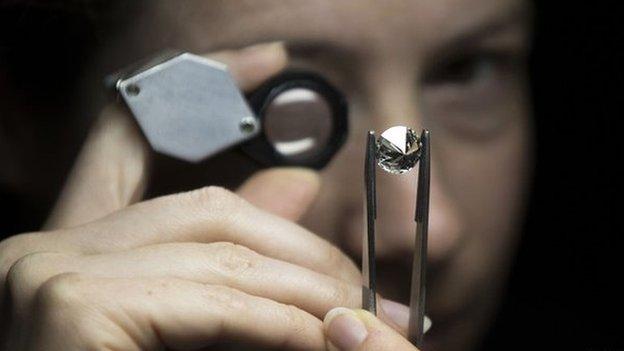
pixel 190 108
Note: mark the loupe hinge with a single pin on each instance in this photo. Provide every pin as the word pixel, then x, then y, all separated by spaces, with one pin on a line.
pixel 188 107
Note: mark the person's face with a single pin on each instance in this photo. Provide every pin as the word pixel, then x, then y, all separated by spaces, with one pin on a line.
pixel 454 67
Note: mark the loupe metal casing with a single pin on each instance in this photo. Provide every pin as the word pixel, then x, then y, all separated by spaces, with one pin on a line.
pixel 190 108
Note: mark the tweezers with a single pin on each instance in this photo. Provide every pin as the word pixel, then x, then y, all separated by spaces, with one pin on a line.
pixel 419 265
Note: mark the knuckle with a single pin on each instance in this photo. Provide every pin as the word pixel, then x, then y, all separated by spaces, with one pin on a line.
pixel 334 257
pixel 11 250
pixel 218 202
pixel 28 272
pixel 65 304
pixel 61 290
pixel 229 300
pixel 344 295
pixel 213 197
pixel 295 318
pixel 341 266
pixel 299 325
pixel 234 260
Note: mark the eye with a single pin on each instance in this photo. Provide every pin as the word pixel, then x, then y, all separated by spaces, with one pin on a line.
pixel 472 93
pixel 467 69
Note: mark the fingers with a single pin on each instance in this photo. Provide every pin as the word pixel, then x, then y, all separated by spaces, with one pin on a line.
pixel 153 314
pixel 109 174
pixel 112 168
pixel 358 330
pixel 202 216
pixel 286 192
pixel 217 263
pixel 237 267
pixel 210 215
pixel 253 65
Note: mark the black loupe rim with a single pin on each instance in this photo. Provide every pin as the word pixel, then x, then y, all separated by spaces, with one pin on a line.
pixel 263 151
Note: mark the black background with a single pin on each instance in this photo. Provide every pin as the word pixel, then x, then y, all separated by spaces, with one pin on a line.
pixel 564 288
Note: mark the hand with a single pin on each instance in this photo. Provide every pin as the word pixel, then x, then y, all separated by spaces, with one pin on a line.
pixel 183 271
pixel 358 330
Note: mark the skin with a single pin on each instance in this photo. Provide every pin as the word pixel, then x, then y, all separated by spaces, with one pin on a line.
pixel 250 273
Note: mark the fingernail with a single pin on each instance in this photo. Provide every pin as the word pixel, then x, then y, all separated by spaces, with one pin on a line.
pixel 398 313
pixel 276 45
pixel 427 324
pixel 344 330
pixel 270 56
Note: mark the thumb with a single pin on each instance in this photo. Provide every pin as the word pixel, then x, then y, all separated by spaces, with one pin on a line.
pixel 110 172
pixel 286 192
pixel 359 330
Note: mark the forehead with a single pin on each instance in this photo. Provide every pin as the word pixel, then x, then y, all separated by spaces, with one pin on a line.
pixel 345 23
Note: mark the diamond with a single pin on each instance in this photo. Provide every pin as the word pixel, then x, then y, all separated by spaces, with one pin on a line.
pixel 398 150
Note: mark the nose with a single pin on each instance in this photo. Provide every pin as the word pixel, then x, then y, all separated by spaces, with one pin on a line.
pixel 396 196
pixel 393 102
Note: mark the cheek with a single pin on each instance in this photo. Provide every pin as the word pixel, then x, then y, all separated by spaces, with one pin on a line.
pixel 489 183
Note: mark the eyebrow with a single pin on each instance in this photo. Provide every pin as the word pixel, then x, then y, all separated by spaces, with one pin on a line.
pixel 519 17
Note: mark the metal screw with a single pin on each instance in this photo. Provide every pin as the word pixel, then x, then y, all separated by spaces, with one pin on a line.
pixel 133 90
pixel 248 125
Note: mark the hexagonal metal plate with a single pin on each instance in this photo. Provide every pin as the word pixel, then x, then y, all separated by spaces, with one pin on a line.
pixel 188 107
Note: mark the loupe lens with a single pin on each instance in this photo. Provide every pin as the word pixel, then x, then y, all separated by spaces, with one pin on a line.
pixel 298 123
pixel 303 118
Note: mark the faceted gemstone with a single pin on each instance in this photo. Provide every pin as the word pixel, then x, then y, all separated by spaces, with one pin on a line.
pixel 398 150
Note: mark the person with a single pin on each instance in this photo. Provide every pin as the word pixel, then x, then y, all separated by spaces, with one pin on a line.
pixel 271 264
